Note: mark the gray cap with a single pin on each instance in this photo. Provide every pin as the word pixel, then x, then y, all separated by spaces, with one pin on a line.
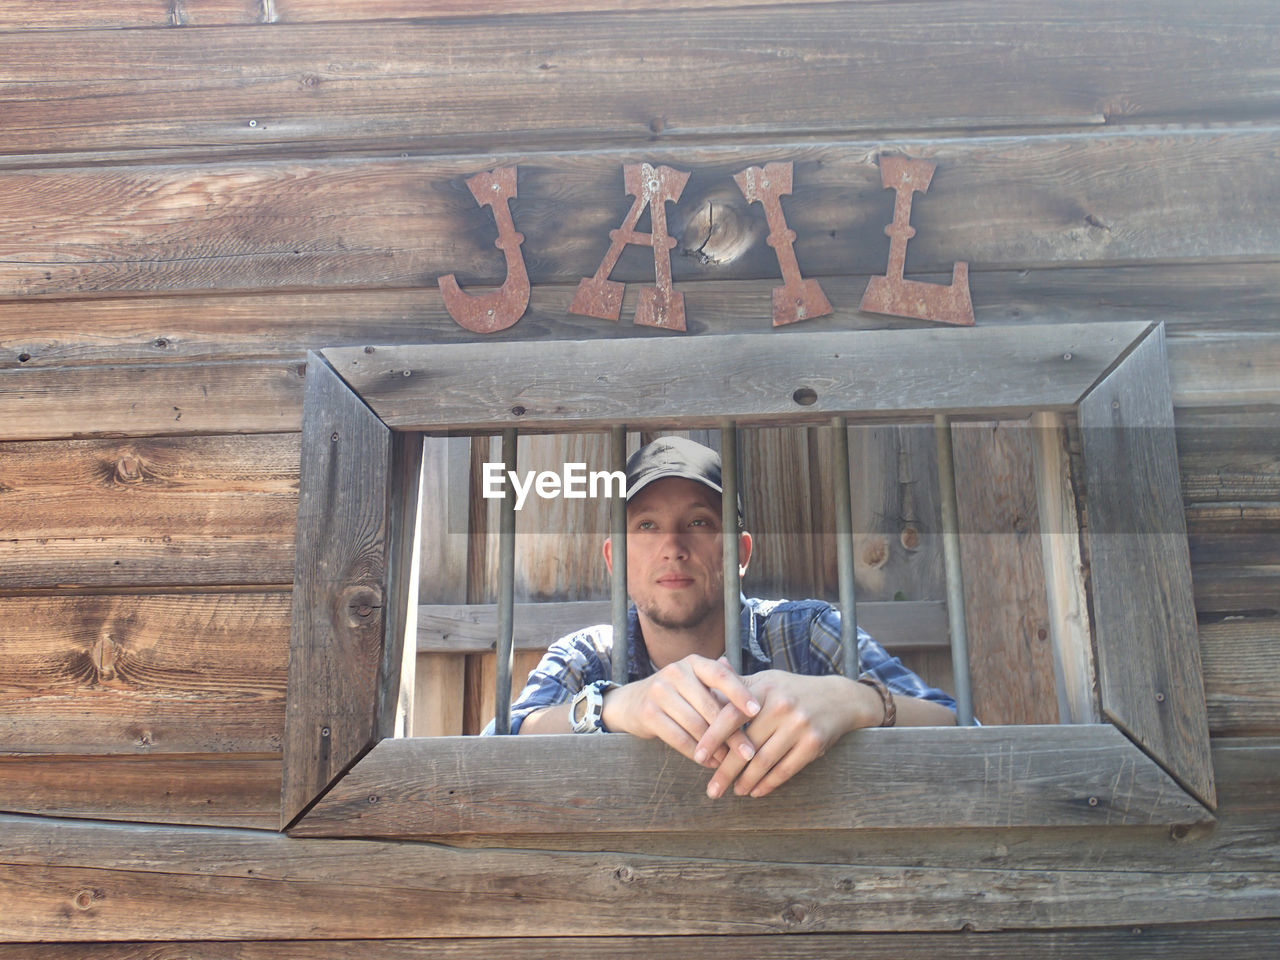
pixel 675 457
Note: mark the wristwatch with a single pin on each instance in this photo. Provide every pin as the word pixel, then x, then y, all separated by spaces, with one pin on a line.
pixel 586 712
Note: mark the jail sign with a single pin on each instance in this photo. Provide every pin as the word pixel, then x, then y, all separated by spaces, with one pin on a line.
pixel 662 305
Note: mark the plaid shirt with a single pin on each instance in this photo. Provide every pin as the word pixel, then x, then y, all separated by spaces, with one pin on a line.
pixel 800 636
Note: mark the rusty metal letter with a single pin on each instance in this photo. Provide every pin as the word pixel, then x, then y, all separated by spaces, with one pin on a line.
pixel 797 298
pixel 491 312
pixel 659 305
pixel 894 295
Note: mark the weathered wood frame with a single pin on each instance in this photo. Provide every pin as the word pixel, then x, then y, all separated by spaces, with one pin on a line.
pixel 366 409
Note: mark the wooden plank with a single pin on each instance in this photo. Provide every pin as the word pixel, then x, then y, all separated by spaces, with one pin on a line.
pixel 1229 457
pixel 644 897
pixel 997 203
pixel 989 776
pixel 221 882
pixel 1241 840
pixel 1244 940
pixel 1148 657
pixel 775 477
pixel 20 16
pixel 1242 676
pixel 1006 609
pixel 340 589
pixel 470 628
pixel 1227 590
pixel 1240 846
pixel 1196 301
pixel 896 517
pixel 17 15
pixel 584 385
pixel 487 81
pixel 145 400
pixel 440 679
pixel 395 680
pixel 1225 370
pixel 237 790
pixel 178 673
pixel 439 683
pixel 1066 594
pixel 154 511
pixel 1260 545
pixel 559 543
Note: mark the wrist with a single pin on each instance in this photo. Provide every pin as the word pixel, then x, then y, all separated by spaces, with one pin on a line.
pixel 613 713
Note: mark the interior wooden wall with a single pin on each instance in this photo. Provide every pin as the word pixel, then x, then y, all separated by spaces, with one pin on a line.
pixel 193 194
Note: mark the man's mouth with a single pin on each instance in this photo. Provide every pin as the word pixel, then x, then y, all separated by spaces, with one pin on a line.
pixel 674 581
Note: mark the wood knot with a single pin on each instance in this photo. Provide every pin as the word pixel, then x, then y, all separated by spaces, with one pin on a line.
pixel 795 914
pixel 85 898
pixel 720 230
pixel 910 538
pixel 129 469
pixel 875 553
pixel 624 874
pixel 104 658
pixel 360 605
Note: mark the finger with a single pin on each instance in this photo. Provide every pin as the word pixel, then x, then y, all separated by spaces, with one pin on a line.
pixel 729 721
pixel 799 757
pixel 673 735
pixel 770 750
pixel 730 767
pixel 718 676
pixel 668 704
pixel 706 700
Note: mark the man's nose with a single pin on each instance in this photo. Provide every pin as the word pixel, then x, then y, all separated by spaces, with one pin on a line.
pixel 675 545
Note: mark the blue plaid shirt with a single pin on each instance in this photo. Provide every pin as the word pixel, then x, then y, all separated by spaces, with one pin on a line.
pixel 799 636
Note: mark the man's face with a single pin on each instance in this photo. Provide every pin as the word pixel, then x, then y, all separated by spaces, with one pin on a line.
pixel 675 571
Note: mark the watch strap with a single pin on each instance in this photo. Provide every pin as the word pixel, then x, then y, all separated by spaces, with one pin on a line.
pixel 591 700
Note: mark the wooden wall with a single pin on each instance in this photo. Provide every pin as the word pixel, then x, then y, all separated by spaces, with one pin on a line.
pixel 194 193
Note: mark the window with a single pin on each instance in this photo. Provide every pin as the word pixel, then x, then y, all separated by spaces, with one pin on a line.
pixel 366 409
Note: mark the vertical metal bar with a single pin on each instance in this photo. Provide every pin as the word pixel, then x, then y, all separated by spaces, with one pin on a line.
pixel 844 551
pixel 729 525
pixel 955 579
pixel 506 589
pixel 618 552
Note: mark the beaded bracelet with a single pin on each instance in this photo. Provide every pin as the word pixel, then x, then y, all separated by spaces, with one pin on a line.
pixel 886 698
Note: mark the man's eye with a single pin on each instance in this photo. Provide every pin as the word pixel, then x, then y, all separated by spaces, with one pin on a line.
pixel 645 525
pixel 700 522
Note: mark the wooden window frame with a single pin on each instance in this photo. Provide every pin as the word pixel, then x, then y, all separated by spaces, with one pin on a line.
pixel 366 409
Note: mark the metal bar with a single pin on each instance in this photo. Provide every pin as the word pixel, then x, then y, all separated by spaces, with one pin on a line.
pixel 729 524
pixel 618 551
pixel 506 589
pixel 955 579
pixel 844 551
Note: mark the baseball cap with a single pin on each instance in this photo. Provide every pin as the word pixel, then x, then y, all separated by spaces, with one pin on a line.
pixel 675 457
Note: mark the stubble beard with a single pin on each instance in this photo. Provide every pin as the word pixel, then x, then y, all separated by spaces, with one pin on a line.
pixel 690 620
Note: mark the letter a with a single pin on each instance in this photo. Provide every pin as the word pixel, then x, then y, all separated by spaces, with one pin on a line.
pixel 491 312
pixel 659 306
pixel 891 293
pixel 797 298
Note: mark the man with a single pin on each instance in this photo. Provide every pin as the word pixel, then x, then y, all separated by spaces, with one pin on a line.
pixel 755 730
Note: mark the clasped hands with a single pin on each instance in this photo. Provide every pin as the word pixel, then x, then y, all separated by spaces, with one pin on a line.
pixel 755 731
